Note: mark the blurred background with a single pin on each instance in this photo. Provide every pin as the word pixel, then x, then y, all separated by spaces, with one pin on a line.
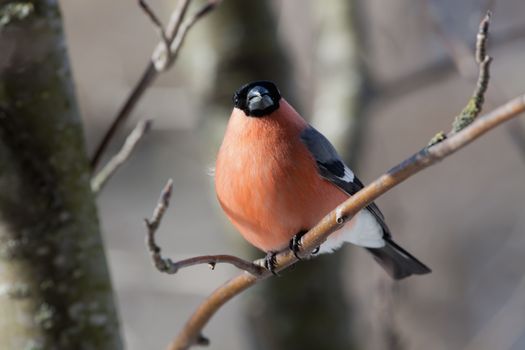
pixel 379 79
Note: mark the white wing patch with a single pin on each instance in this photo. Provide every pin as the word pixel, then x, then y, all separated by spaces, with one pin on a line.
pixel 365 232
pixel 349 175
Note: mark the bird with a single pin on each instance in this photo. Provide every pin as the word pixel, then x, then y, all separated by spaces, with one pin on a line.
pixel 276 177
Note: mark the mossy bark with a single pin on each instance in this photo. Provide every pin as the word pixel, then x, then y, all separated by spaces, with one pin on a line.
pixel 55 291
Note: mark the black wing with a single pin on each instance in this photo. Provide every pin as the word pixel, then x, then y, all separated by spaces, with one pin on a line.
pixel 333 169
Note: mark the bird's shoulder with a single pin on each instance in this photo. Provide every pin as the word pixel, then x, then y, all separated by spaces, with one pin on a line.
pixel 329 163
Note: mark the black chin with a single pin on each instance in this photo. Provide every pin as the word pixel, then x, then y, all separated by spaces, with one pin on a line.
pixel 262 112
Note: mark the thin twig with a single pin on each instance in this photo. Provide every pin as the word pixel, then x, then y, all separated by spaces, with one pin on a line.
pixel 482 37
pixel 153 224
pixel 148 76
pixel 176 19
pixel 156 22
pixel 168 266
pixel 162 51
pixel 168 39
pixel 475 104
pixel 99 180
pixel 212 260
pixel 163 61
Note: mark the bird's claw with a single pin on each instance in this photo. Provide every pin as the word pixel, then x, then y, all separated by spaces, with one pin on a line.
pixel 270 262
pixel 295 244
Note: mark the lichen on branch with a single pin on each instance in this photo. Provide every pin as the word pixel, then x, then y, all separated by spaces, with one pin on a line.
pixel 475 103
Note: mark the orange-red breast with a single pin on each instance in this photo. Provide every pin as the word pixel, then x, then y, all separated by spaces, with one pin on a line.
pixel 276 177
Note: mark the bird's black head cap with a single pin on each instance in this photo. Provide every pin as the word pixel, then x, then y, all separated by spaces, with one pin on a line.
pixel 258 98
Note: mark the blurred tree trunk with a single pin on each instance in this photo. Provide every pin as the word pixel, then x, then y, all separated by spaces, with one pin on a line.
pixel 55 291
pixel 307 308
pixel 341 87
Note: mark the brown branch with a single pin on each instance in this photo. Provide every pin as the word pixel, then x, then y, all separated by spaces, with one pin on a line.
pixel 176 19
pixel 168 266
pixel 329 224
pixel 99 180
pixel 153 224
pixel 171 31
pixel 172 37
pixel 212 260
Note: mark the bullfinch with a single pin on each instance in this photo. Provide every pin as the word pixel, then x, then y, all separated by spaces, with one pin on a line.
pixel 276 177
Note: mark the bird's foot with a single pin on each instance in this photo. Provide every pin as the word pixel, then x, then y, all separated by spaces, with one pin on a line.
pixel 295 244
pixel 270 262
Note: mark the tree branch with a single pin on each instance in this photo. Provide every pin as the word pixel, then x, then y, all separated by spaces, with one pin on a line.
pixel 162 59
pixel 156 22
pixel 100 180
pixel 166 265
pixel 473 108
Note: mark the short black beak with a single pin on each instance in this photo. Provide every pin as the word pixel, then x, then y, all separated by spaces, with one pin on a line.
pixel 258 99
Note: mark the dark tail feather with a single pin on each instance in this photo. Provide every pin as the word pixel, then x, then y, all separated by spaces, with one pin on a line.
pixel 397 262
